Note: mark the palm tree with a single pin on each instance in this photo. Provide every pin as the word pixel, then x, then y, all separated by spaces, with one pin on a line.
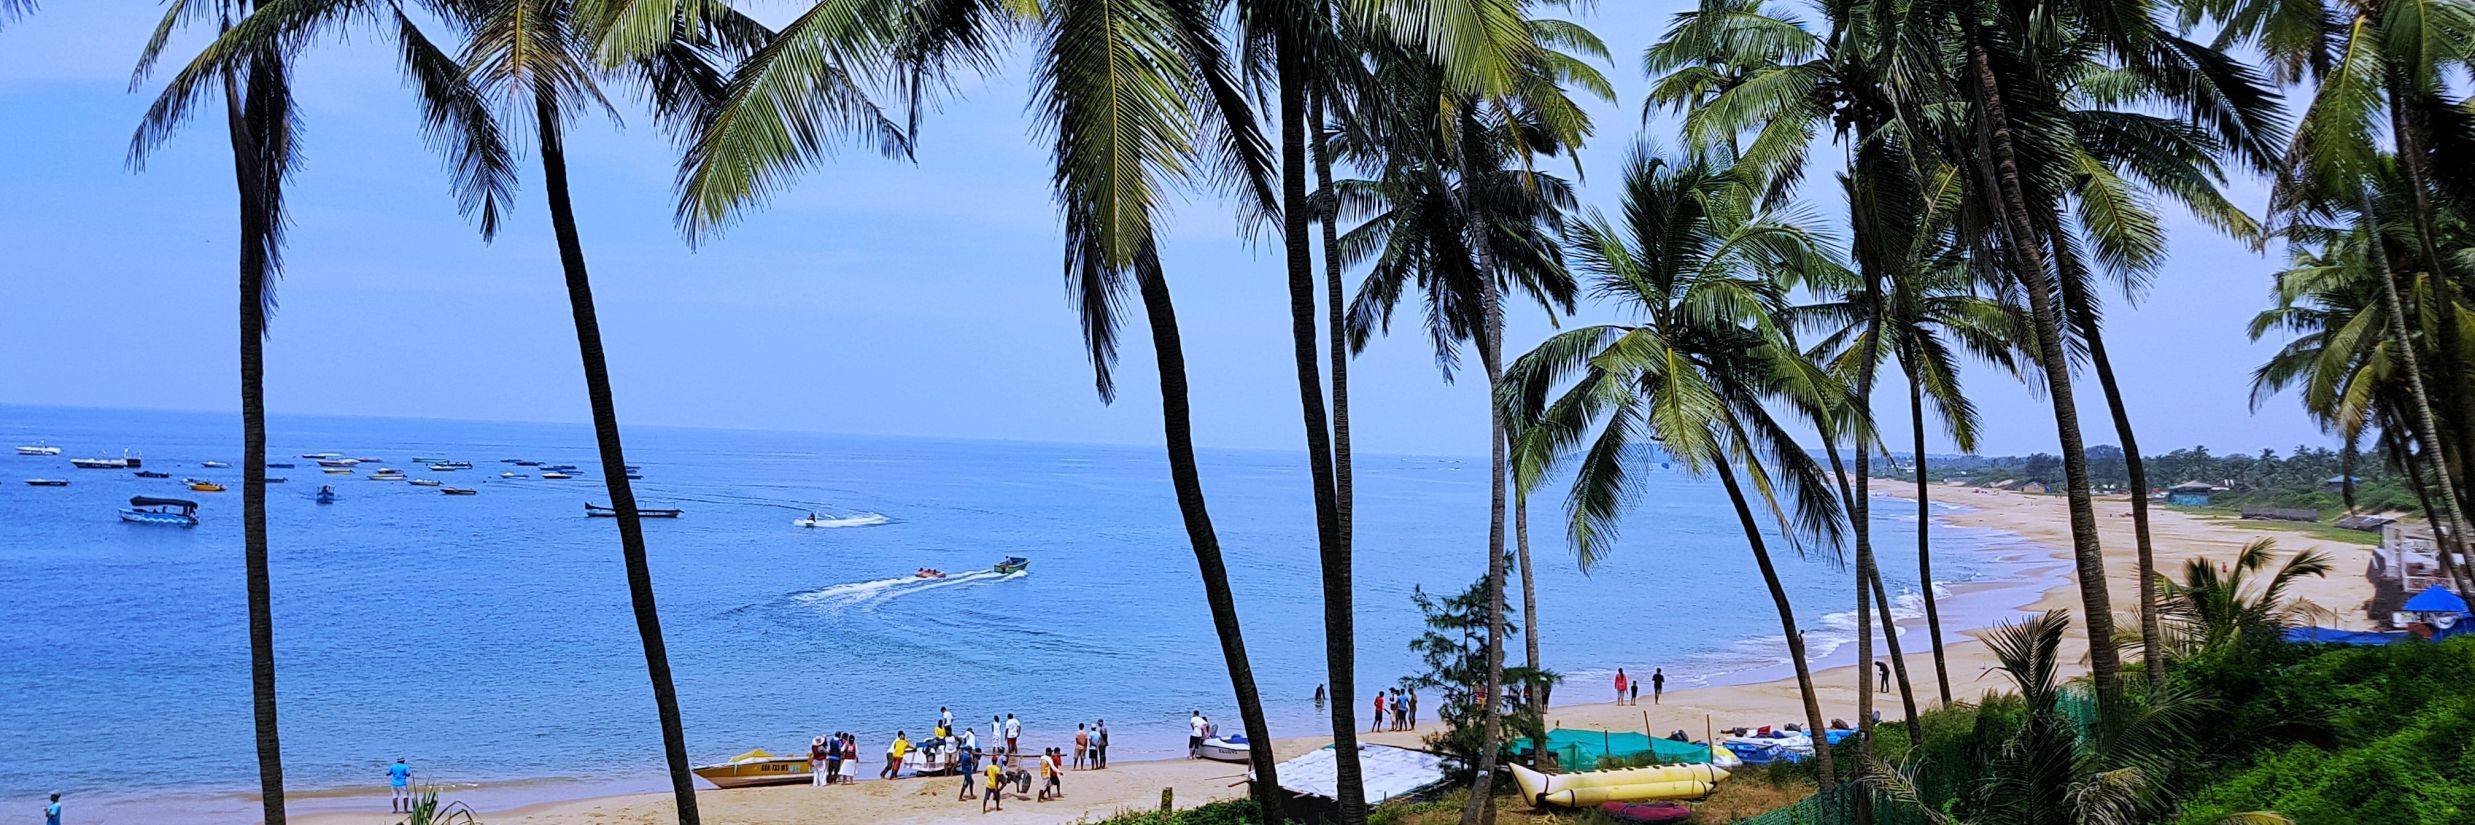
pixel 532 60
pixel 258 122
pixel 1706 271
pixel 2216 608
pixel 1137 97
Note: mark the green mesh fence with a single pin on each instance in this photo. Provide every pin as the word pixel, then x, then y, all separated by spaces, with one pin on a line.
pixel 1837 806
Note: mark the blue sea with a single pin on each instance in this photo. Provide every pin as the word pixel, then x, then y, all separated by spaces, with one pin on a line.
pixel 488 639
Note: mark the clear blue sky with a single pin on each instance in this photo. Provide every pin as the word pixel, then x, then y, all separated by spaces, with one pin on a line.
pixel 877 298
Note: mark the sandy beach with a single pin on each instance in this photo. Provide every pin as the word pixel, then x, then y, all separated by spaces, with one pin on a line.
pixel 1092 795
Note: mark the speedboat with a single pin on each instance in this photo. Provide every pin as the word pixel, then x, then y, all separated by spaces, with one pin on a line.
pixel 151 474
pixel 214 465
pixel 37 448
pixel 121 463
pixel 423 482
pixel 420 460
pixel 443 467
pixel 928 573
pixel 279 466
pixel 526 462
pixel 337 471
pixel 173 512
pixel 205 486
pixel 47 482
pixel 386 475
pixel 338 462
pixel 598 511
pixel 1230 748
pixel 1012 564
pixel 322 456
pixel 459 491
pixel 513 474
pixel 754 768
pixel 554 474
pixel 459 465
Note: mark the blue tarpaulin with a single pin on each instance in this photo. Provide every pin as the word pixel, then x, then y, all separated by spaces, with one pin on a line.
pixel 2435 599
pixel 2333 635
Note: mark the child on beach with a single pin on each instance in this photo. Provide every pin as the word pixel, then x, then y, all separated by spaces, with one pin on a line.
pixel 1637 693
pixel 1082 744
pixel 51 812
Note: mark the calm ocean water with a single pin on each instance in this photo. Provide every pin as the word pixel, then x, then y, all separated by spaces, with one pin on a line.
pixel 488 638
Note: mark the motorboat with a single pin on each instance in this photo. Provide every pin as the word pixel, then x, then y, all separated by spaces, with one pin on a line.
pixel 279 466
pixel 1229 748
pixel 339 462
pixel 151 474
pixel 214 465
pixel 443 467
pixel 928 573
pixel 513 474
pixel 337 471
pixel 755 768
pixel 598 511
pixel 569 468
pixel 127 460
pixel 47 482
pixel 459 465
pixel 1012 564
pixel 459 491
pixel 554 474
pixel 420 460
pixel 37 448
pixel 370 459
pixel 423 482
pixel 525 462
pixel 172 512
pixel 205 486
pixel 387 474
pixel 322 456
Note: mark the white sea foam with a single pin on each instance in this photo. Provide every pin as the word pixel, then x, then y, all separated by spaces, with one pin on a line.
pixel 871 593
pixel 852 520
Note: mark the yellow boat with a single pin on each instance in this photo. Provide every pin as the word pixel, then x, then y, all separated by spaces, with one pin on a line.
pixel 206 487
pixel 1575 790
pixel 756 767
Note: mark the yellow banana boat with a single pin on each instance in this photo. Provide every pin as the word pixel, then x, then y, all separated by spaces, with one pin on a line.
pixel 1627 785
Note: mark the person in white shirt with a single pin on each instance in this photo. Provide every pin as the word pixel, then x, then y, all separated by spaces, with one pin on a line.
pixel 1194 735
pixel 945 718
pixel 1013 732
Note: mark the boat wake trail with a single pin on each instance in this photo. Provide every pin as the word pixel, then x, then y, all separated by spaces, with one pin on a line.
pixel 852 520
pixel 868 593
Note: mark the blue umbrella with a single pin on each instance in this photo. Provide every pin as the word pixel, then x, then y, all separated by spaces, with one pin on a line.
pixel 2435 600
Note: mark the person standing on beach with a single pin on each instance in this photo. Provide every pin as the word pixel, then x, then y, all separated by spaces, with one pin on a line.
pixel 833 757
pixel 1379 713
pixel 1654 698
pixel 850 757
pixel 1658 684
pixel 1881 676
pixel 893 755
pixel 1101 742
pixel 1194 734
pixel 970 738
pixel 1413 708
pixel 818 776
pixel 993 778
pixel 970 772
pixel 1013 735
pixel 1620 685
pixel 1082 744
pixel 399 785
pixel 945 718
pixel 51 812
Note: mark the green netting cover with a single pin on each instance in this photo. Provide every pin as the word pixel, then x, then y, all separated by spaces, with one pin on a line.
pixel 1579 750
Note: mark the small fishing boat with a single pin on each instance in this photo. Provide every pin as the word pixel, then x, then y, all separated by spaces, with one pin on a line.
pixel 214 465
pixel 1229 748
pixel 172 512
pixel 205 486
pixel 37 448
pixel 420 460
pixel 928 573
pixel 755 768
pixel 322 456
pixel 460 465
pixel 47 482
pixel 598 511
pixel 423 482
pixel 151 474
pixel 513 474
pixel 102 463
pixel 369 459
pixel 554 474
pixel 274 480
pixel 386 476
pixel 279 466
pixel 326 495
pixel 521 462
pixel 443 468
pixel 1012 564
pixel 458 491
pixel 339 462
pixel 337 471
pixel 564 468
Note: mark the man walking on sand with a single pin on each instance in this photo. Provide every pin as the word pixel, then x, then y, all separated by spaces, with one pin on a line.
pixel 1620 685
pixel 970 772
pixel 399 787
pixel 893 755
pixel 1658 683
pixel 993 778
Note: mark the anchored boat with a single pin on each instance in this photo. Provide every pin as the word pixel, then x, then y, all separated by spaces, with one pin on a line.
pixel 598 511
pixel 170 512
pixel 38 448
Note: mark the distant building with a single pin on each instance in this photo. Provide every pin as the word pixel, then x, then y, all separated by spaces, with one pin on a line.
pixel 2034 488
pixel 2336 483
pixel 2190 494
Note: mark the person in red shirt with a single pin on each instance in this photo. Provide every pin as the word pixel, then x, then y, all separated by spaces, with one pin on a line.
pixel 1620 684
pixel 1379 713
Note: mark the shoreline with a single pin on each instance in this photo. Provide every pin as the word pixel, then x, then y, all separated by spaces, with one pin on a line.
pixel 2039 578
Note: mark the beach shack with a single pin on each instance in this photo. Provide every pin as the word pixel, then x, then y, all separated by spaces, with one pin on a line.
pixel 2407 562
pixel 1310 785
pixel 2189 494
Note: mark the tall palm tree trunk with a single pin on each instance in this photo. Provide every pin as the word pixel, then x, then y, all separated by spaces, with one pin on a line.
pixel 1529 598
pixel 1881 599
pixel 1343 493
pixel 2448 541
pixel 613 458
pixel 2450 570
pixel 1177 430
pixel 1787 614
pixel 1490 353
pixel 2105 662
pixel 1924 545
pixel 250 127
pixel 1340 633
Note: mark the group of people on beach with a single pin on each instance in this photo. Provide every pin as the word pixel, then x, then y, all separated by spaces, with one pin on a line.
pixel 1658 685
pixel 1395 710
pixel 985 771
